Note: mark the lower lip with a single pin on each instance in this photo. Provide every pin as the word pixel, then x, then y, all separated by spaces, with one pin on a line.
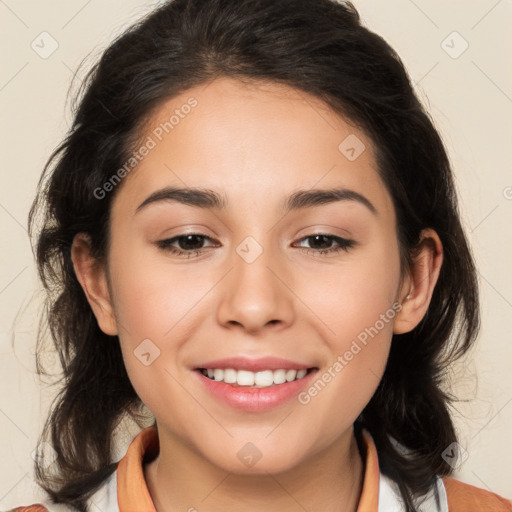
pixel 255 399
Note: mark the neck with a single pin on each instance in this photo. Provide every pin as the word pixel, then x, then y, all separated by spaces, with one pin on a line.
pixel 330 480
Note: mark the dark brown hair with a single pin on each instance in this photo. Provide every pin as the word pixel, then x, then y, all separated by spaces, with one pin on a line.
pixel 316 46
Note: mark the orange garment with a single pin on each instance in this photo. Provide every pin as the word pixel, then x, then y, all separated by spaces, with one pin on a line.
pixel 133 494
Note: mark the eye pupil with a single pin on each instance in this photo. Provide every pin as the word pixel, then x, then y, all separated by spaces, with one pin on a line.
pixel 190 246
pixel 327 241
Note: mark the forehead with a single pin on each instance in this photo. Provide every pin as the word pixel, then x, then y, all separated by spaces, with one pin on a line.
pixel 252 141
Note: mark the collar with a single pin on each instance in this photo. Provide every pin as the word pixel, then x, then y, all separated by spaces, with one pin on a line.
pixel 133 494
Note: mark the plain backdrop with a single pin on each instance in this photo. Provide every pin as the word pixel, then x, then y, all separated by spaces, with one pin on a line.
pixel 456 54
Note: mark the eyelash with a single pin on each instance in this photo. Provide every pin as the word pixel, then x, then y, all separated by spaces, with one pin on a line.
pixel 343 245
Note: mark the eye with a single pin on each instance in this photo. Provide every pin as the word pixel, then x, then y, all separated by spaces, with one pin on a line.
pixel 323 239
pixel 189 243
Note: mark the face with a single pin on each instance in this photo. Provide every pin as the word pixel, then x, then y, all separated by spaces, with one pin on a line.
pixel 260 281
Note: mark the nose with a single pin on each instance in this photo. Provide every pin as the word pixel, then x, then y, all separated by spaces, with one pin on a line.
pixel 256 293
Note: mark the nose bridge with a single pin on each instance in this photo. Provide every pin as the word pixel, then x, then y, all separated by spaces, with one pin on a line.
pixel 256 293
pixel 255 257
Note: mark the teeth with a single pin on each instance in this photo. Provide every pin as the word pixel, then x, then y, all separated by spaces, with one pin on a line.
pixel 229 376
pixel 290 375
pixel 279 376
pixel 263 379
pixel 244 378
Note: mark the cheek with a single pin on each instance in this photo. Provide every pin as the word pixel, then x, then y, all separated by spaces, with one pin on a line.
pixel 151 294
pixel 356 308
pixel 156 305
pixel 352 297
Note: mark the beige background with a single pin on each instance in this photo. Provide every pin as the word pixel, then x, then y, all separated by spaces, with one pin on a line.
pixel 469 97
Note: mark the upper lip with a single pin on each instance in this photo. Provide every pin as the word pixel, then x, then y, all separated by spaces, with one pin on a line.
pixel 254 365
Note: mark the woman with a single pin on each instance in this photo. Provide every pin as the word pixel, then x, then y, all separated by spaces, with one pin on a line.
pixel 215 141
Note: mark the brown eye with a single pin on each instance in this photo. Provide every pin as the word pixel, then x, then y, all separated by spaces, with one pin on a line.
pixel 325 242
pixel 187 244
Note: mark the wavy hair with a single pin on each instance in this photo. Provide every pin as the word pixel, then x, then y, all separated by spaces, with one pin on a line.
pixel 316 46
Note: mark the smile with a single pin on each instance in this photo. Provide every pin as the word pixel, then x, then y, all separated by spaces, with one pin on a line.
pixel 260 379
pixel 254 391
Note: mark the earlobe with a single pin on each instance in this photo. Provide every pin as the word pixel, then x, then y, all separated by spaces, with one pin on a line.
pixel 417 289
pixel 91 276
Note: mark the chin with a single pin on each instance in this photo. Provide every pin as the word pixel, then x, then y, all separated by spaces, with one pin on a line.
pixel 252 458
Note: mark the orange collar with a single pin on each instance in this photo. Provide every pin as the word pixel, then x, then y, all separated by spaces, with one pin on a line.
pixel 133 494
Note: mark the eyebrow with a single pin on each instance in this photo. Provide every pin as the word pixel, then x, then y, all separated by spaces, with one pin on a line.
pixel 209 199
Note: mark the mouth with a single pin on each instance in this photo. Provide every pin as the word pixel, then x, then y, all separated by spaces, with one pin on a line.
pixel 261 379
pixel 254 385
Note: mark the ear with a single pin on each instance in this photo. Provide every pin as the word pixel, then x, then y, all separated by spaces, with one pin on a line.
pixel 92 277
pixel 418 286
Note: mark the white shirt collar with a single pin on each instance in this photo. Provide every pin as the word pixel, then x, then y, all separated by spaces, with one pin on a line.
pixel 390 499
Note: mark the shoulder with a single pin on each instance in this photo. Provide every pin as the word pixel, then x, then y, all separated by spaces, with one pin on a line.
pixel 47 507
pixel 104 499
pixel 467 498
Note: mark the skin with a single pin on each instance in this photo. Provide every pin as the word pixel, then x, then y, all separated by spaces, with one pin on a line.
pixel 256 144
